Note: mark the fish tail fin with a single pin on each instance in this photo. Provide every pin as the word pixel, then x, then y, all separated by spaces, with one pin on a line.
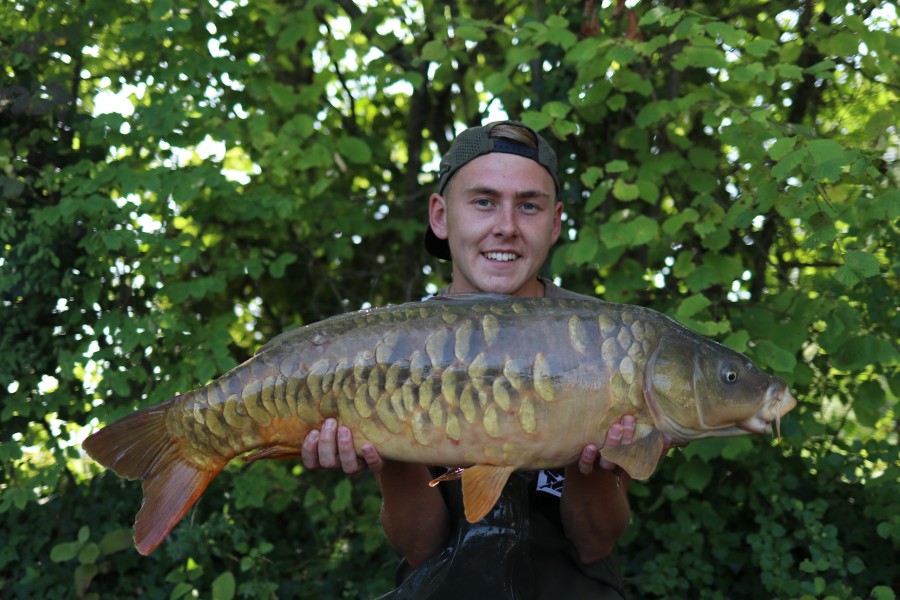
pixel 140 446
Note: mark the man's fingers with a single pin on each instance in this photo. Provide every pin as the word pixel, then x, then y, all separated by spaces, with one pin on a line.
pixel 372 458
pixel 628 426
pixel 587 460
pixel 327 445
pixel 349 461
pixel 310 450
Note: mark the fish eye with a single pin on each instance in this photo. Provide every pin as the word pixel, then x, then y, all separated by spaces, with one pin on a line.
pixel 730 374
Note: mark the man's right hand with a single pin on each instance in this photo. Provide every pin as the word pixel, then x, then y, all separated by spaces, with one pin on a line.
pixel 332 448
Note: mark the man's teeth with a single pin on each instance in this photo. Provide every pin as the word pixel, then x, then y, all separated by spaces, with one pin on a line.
pixel 501 256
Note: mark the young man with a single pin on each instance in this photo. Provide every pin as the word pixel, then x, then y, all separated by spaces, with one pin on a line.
pixel 552 533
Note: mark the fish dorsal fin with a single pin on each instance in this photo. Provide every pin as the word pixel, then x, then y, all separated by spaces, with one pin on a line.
pixel 481 486
pixel 639 458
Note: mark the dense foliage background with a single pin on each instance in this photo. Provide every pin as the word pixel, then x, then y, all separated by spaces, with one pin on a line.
pixel 180 181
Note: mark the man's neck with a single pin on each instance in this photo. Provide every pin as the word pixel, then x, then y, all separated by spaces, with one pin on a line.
pixel 536 289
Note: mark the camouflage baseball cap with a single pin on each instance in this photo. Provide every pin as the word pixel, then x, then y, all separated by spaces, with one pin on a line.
pixel 475 142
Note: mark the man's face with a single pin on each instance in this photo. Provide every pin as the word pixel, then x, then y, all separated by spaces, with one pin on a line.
pixel 500 217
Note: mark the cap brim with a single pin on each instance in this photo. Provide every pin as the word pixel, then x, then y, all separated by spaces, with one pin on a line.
pixel 436 247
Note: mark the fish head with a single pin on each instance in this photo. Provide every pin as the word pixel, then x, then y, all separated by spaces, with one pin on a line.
pixel 697 388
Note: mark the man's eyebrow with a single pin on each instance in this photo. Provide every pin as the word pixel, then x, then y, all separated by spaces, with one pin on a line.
pixel 489 191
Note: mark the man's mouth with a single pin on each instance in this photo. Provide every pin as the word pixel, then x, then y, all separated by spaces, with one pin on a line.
pixel 501 256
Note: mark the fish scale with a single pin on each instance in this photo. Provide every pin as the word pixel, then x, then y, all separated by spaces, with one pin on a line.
pixel 485 382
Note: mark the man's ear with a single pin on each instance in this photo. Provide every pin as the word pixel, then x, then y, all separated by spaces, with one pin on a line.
pixel 437 215
pixel 557 220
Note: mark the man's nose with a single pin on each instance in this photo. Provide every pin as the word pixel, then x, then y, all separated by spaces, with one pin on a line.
pixel 505 222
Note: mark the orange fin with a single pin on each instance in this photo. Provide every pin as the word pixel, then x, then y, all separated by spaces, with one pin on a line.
pixel 450 475
pixel 481 486
pixel 639 458
pixel 277 451
pixel 140 446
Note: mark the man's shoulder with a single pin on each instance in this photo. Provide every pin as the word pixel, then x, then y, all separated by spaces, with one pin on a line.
pixel 551 290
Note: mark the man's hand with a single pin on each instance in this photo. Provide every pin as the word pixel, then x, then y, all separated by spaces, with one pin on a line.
pixel 332 448
pixel 620 433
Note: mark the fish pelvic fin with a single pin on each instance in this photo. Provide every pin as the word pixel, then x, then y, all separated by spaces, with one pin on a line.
pixel 276 451
pixel 140 446
pixel 450 475
pixel 481 487
pixel 639 458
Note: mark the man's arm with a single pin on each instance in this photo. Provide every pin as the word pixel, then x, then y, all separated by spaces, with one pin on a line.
pixel 414 516
pixel 594 505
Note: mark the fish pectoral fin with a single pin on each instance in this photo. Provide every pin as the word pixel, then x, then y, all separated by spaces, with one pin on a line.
pixel 450 475
pixel 277 451
pixel 639 458
pixel 481 487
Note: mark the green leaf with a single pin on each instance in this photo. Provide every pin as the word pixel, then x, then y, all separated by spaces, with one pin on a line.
pixel 496 83
pixel 116 540
pixel 648 191
pixel 774 356
pixel 729 34
pixel 879 123
pixel 355 149
pixel 471 33
pixel 862 351
pixel 622 54
pixel 277 268
pixel 846 276
pixel 435 51
pixel 341 496
pixel 584 249
pixel 706 58
pixel 760 47
pixel 882 592
pixel 808 566
pixel 557 110
pixel 591 176
pixel 616 166
pixel 781 147
pixel 12 188
pixel 564 38
pixel 597 197
pixel 625 191
pixel 737 446
pixel 738 340
pixel 536 120
pixel 823 151
pixel 676 223
pixel 88 554
pixel 180 590
pixel 862 263
pixel 84 574
pixel 695 474
pixel 223 586
pixel 789 164
pixel 630 233
pixel 692 305
pixel 65 551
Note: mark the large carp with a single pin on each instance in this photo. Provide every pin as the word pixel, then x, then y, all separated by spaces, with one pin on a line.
pixel 481 381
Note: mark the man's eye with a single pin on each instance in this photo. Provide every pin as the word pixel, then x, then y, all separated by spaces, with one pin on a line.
pixel 529 207
pixel 483 202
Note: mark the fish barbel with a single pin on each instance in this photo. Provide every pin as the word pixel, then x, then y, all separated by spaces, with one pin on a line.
pixel 487 382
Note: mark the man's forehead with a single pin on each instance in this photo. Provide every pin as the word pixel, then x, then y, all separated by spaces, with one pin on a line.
pixel 505 173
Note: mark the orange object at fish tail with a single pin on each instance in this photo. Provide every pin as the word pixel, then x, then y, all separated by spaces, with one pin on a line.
pixel 488 383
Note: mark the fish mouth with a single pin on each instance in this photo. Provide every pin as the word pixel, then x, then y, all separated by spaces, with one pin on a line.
pixel 778 403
